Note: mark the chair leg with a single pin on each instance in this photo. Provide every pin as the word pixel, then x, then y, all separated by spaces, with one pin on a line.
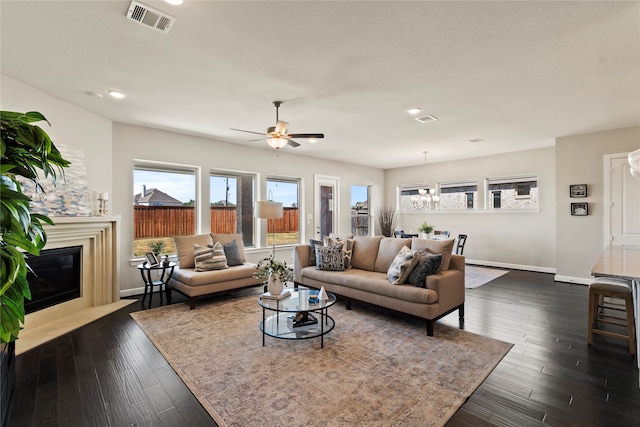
pixel 593 307
pixel 631 329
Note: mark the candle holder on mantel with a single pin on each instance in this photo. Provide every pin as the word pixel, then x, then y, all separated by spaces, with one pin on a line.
pixel 102 203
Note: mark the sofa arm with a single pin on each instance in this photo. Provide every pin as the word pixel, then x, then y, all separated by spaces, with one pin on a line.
pixel 457 263
pixel 449 285
pixel 300 260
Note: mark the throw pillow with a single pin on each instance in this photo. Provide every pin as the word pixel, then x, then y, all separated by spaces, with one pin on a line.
pixel 232 253
pixel 428 263
pixel 329 258
pixel 209 258
pixel 401 266
pixel 312 251
pixel 347 248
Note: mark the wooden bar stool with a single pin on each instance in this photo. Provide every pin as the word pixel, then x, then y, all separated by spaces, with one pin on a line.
pixel 602 311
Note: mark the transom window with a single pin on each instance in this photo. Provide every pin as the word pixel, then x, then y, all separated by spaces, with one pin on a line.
pixel 458 195
pixel 513 192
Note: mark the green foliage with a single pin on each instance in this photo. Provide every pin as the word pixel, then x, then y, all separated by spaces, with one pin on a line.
pixel 270 265
pixel 156 246
pixel 25 150
pixel 426 228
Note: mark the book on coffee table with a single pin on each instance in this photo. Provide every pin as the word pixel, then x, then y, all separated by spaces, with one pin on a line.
pixel 301 319
pixel 283 295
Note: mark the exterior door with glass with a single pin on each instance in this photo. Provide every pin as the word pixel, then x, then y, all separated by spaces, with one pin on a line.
pixel 325 205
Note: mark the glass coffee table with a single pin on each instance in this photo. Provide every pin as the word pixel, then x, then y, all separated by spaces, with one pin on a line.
pixel 293 318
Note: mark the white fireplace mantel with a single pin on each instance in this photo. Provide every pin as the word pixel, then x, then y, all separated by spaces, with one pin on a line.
pixel 98 236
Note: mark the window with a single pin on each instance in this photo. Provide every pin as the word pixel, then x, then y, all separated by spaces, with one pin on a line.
pixel 513 193
pixel 231 197
pixel 285 230
pixel 406 192
pixel 458 195
pixel 360 210
pixel 164 199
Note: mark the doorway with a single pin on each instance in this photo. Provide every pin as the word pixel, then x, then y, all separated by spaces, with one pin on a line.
pixel 622 201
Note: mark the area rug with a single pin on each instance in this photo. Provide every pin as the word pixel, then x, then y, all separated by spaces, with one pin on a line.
pixel 478 276
pixel 376 368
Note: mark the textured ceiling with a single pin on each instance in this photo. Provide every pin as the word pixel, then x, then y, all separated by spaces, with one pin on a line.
pixel 516 74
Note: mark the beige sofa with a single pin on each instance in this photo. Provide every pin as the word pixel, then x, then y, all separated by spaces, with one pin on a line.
pixel 367 280
pixel 197 284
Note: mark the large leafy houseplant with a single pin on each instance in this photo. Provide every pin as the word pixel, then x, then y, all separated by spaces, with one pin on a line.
pixel 26 149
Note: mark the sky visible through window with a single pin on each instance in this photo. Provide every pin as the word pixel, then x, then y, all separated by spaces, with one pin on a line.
pixel 177 185
pixel 358 194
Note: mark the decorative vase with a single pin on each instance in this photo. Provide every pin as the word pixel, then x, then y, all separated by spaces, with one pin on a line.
pixel 274 285
pixel 425 235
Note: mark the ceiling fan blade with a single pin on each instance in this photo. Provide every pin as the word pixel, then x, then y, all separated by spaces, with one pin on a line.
pixel 306 135
pixel 249 131
pixel 281 127
pixel 292 143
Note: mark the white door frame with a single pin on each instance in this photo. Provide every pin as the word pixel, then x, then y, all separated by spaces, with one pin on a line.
pixel 332 181
pixel 608 232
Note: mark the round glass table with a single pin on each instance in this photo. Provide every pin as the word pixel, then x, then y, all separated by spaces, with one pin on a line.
pixel 295 318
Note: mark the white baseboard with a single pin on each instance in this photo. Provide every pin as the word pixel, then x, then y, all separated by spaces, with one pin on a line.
pixel 511 266
pixel 569 279
pixel 131 292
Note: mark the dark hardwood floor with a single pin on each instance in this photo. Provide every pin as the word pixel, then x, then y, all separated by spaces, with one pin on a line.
pixel 109 374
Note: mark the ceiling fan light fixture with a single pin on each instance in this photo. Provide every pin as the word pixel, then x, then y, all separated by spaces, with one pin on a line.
pixel 312 140
pixel 413 111
pixel 116 94
pixel 277 143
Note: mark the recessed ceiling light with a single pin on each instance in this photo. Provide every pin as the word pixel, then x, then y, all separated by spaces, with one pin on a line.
pixel 175 2
pixel 414 110
pixel 473 141
pixel 116 94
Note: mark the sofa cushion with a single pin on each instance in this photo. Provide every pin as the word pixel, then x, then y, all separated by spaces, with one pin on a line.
pixel 209 258
pixel 428 263
pixel 347 249
pixel 329 258
pixel 191 277
pixel 371 281
pixel 312 251
pixel 226 238
pixel 232 253
pixel 184 248
pixel 365 251
pixel 402 265
pixel 444 247
pixel 387 251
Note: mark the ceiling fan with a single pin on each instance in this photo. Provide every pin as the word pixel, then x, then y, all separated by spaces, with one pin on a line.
pixel 277 136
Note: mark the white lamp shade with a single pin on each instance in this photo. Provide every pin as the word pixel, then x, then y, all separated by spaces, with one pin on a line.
pixel 268 209
pixel 634 159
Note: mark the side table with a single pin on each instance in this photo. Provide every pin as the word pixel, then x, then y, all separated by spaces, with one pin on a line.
pixel 149 283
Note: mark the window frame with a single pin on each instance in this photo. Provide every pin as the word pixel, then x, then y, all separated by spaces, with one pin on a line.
pixel 465 194
pixel 289 180
pixel 515 181
pixel 243 221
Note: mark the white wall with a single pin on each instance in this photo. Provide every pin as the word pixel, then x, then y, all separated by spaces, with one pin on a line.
pixel 580 239
pixel 140 143
pixel 505 238
pixel 70 125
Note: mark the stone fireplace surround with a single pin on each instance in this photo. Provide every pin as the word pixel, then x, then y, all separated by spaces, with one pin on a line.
pixel 99 293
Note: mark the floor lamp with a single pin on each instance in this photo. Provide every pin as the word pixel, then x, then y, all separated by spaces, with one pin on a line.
pixel 269 210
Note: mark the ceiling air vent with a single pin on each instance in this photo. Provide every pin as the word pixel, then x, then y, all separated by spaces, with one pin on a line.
pixel 426 119
pixel 150 17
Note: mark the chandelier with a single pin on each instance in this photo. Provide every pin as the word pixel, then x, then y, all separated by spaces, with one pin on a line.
pixel 426 199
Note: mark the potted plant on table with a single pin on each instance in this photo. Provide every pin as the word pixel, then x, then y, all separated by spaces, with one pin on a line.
pixel 426 230
pixel 273 273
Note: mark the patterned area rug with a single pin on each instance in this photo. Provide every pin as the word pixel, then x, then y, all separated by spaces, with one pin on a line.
pixel 478 276
pixel 376 368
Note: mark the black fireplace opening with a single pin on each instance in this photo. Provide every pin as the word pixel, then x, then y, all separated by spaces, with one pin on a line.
pixel 56 277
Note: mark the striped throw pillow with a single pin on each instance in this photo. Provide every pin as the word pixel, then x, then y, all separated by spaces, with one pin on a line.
pixel 209 258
